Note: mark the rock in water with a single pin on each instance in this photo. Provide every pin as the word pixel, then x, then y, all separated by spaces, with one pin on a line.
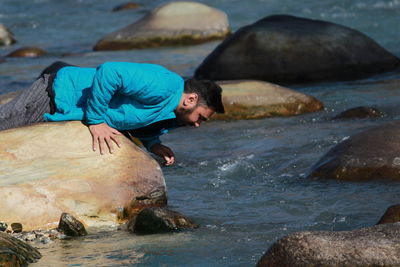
pixel 70 226
pixel 158 220
pixel 28 51
pixel 173 23
pixel 250 99
pixel 15 253
pixel 359 113
pixel 391 215
pixel 287 49
pixel 126 6
pixel 16 227
pixel 6 37
pixel 373 246
pixel 49 168
pixel 371 154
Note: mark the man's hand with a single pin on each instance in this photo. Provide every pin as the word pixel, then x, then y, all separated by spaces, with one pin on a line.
pixel 103 135
pixel 164 152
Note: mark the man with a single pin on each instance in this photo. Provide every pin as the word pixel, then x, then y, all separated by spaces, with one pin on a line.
pixel 143 100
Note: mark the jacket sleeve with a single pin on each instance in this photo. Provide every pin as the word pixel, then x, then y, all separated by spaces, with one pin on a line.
pixel 148 142
pixel 146 83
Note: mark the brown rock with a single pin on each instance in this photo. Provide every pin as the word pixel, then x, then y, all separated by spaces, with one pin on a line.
pixel 70 226
pixel 126 6
pixel 371 154
pixel 251 99
pixel 27 52
pixel 50 168
pixel 15 253
pixel 391 215
pixel 372 246
pixel 172 23
pixel 16 227
pixel 158 220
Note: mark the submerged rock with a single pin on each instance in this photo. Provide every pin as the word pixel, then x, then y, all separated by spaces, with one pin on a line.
pixel 173 23
pixel 287 49
pixel 250 99
pixel 158 220
pixel 70 226
pixel 126 6
pixel 372 246
pixel 28 51
pixel 6 37
pixel 371 154
pixel 50 168
pixel 15 253
pixel 359 113
pixel 391 215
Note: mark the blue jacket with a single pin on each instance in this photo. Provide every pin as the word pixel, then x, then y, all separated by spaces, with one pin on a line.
pixel 124 95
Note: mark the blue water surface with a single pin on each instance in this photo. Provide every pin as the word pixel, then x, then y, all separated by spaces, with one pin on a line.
pixel 244 182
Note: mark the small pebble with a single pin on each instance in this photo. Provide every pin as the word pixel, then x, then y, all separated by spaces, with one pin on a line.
pixel 16 227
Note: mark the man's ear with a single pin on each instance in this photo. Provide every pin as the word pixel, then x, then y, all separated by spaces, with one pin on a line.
pixel 191 100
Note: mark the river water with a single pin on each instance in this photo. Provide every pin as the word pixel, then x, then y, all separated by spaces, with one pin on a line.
pixel 244 182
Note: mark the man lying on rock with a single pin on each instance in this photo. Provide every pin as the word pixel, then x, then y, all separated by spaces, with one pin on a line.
pixel 137 99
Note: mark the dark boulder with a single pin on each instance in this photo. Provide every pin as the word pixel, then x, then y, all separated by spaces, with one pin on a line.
pixel 27 52
pixel 16 227
pixel 287 49
pixel 158 220
pixel 391 215
pixel 70 226
pixel 371 154
pixel 15 253
pixel 372 246
pixel 359 113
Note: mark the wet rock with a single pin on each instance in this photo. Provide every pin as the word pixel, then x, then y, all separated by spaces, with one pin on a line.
pixel 71 226
pixel 6 37
pixel 3 226
pixel 27 52
pixel 158 220
pixel 41 180
pixel 391 215
pixel 16 227
pixel 371 154
pixel 250 99
pixel 371 246
pixel 15 253
pixel 287 49
pixel 173 23
pixel 359 113
pixel 126 6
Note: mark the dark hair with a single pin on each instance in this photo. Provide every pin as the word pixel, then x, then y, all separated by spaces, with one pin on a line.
pixel 208 91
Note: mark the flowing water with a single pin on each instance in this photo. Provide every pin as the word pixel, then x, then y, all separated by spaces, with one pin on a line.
pixel 244 182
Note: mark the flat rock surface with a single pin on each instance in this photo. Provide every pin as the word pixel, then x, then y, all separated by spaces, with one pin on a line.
pixel 49 168
pixel 372 246
pixel 251 99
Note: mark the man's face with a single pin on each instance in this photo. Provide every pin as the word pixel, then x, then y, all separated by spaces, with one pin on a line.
pixel 195 116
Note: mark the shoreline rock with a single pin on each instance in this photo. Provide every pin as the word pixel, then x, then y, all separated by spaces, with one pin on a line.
pixel 15 252
pixel 170 24
pixel 6 36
